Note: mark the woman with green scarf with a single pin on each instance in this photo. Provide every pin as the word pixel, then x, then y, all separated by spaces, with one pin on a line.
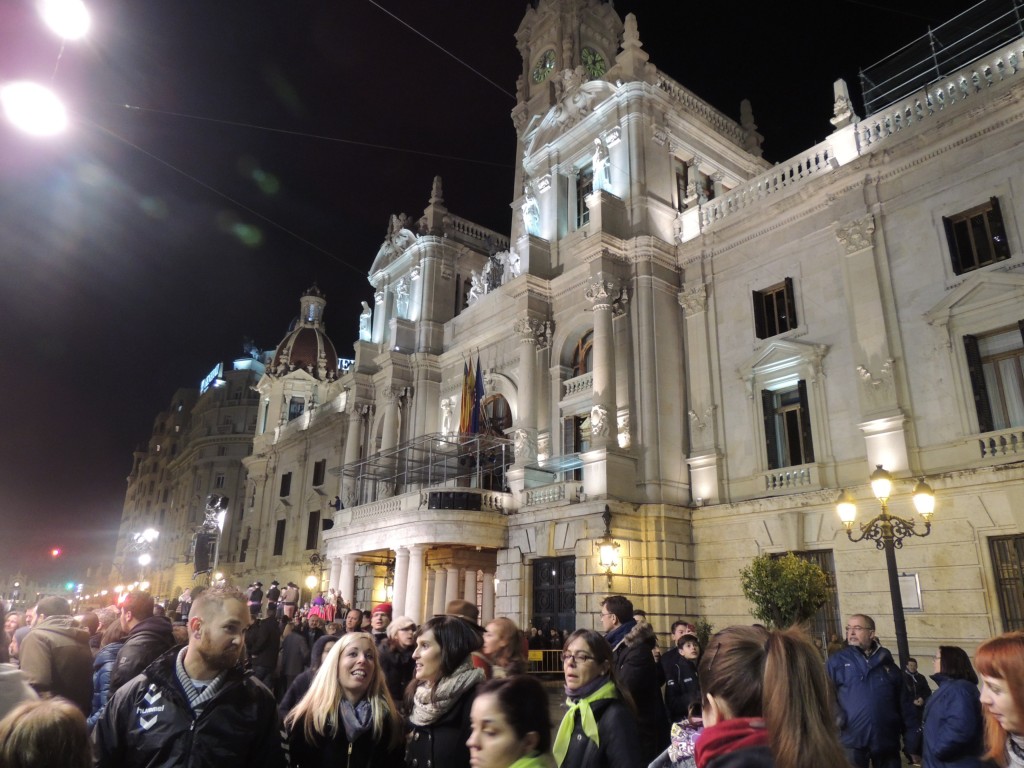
pixel 441 693
pixel 600 729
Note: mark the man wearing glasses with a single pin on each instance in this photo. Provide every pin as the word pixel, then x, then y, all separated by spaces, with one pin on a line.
pixel 869 686
pixel 637 671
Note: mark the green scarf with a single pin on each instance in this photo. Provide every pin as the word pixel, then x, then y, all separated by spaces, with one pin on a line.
pixel 606 691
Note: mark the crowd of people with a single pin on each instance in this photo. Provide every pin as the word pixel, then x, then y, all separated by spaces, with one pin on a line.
pixel 251 678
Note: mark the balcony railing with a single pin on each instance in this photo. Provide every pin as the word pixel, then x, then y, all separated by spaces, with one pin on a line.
pixel 466 499
pixel 578 385
pixel 999 446
pixel 549 494
pixel 791 479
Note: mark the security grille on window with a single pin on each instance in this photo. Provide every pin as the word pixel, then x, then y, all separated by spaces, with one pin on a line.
pixel 775 310
pixel 995 363
pixel 286 484
pixel 976 237
pixel 319 471
pixel 1008 565
pixel 787 426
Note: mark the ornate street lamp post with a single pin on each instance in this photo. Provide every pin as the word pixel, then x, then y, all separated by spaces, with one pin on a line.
pixel 888 532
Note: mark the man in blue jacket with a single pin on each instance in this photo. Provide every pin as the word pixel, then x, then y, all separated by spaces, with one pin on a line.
pixel 869 688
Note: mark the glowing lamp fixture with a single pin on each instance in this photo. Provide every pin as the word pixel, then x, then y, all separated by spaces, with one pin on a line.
pixel 145 559
pixel 33 108
pixel 881 483
pixel 608 550
pixel 924 499
pixel 312 580
pixel 68 18
pixel 847 509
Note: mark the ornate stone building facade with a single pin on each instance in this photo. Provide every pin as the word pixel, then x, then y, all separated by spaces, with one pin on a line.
pixel 679 349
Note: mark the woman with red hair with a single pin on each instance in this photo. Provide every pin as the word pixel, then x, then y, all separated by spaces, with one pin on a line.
pixel 1000 662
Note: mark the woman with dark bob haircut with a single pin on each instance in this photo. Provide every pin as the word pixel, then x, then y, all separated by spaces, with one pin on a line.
pixel 441 693
pixel 953 725
pixel 511 725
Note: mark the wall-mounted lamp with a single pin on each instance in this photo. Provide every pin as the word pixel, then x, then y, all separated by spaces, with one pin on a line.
pixel 608 550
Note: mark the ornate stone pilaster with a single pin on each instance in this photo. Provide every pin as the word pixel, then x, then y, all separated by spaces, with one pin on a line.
pixel 604 291
pixel 693 299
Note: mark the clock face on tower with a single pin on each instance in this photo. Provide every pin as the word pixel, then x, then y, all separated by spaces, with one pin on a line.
pixel 593 63
pixel 543 67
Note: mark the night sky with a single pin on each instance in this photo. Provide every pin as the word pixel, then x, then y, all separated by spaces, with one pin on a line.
pixel 266 146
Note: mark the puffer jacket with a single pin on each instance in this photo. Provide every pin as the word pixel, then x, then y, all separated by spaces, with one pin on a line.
pixel 56 660
pixel 102 666
pixel 869 691
pixel 617 733
pixel 954 729
pixel 148 723
pixel 640 675
pixel 146 641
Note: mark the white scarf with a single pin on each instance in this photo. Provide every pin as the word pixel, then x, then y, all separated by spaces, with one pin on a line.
pixel 427 708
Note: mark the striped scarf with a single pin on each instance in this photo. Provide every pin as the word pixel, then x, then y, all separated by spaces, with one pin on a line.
pixel 196 700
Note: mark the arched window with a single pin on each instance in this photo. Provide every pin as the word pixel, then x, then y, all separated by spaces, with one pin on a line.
pixel 496 416
pixel 583 355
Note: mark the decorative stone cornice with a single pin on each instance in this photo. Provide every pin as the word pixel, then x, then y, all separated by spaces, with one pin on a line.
pixel 856 235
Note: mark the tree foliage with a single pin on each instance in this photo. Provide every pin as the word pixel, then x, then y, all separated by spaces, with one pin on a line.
pixel 784 590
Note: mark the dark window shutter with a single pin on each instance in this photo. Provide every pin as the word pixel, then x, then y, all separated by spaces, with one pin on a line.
pixel 771 437
pixel 791 320
pixel 977 375
pixel 805 422
pixel 569 435
pixel 759 329
pixel 1020 327
pixel 995 224
pixel 954 252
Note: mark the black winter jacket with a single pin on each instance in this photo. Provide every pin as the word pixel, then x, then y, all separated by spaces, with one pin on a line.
pixel 147 640
pixel 148 723
pixel 398 668
pixel 682 689
pixel 442 744
pixel 618 735
pixel 639 674
pixel 333 753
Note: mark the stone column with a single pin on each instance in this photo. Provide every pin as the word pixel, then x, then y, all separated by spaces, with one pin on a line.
pixel 605 292
pixel 401 579
pixel 428 599
pixel 349 483
pixel 487 609
pixel 470 582
pixel 440 590
pixel 414 588
pixel 389 437
pixel 335 578
pixel 451 591
pixel 528 329
pixel 348 578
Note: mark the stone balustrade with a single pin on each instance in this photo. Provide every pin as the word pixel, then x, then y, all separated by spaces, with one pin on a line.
pixel 790 479
pixel 1007 444
pixel 548 494
pixel 472 499
pixel 691 104
pixel 813 162
pixel 474 232
pixel 578 385
pixel 950 92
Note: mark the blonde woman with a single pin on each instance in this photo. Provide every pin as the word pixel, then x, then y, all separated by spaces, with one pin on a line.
pixel 347 718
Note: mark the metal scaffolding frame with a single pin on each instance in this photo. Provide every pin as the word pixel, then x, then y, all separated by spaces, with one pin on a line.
pixel 457 460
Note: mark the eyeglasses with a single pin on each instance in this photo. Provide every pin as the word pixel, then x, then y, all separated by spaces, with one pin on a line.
pixel 857 628
pixel 605 615
pixel 577 658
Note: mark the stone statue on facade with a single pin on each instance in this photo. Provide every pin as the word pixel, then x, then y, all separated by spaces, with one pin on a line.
pixel 365 322
pixel 402 297
pixel 602 170
pixel 476 288
pixel 599 421
pixel 531 211
pixel 446 416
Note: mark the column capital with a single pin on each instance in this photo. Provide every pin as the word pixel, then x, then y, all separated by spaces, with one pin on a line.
pixel 693 299
pixel 856 235
pixel 606 291
pixel 530 330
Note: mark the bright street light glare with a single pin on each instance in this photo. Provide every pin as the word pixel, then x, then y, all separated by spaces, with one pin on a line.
pixel 145 559
pixel 33 108
pixel 68 18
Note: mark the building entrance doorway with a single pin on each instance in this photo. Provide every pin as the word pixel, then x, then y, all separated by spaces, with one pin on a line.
pixel 554 594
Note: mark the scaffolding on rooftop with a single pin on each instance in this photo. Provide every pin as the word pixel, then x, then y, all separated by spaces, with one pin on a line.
pixel 980 29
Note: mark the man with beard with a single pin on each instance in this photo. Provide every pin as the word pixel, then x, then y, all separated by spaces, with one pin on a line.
pixel 195 706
